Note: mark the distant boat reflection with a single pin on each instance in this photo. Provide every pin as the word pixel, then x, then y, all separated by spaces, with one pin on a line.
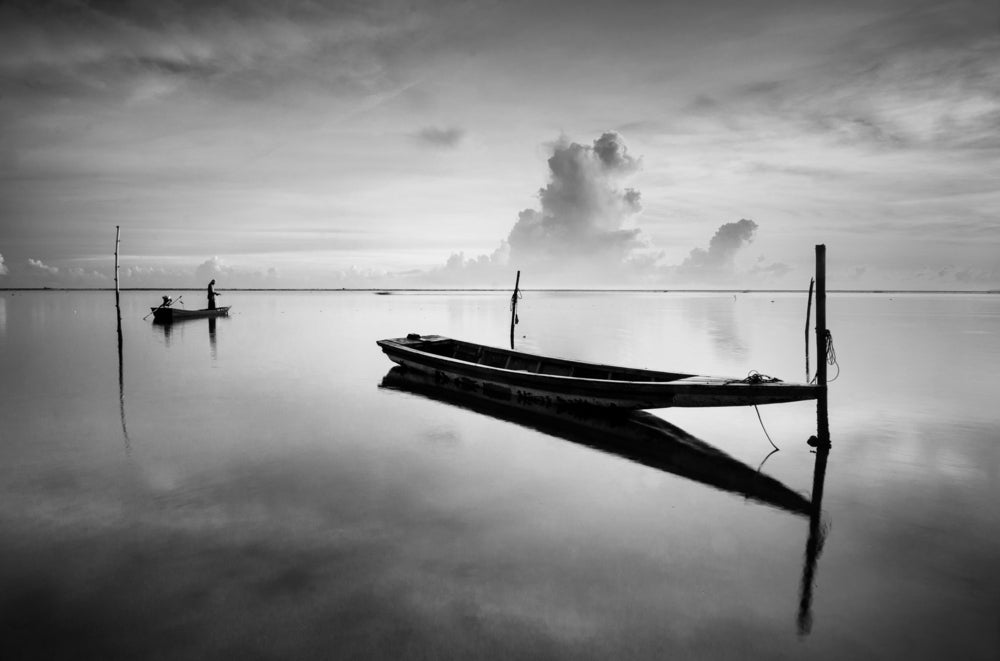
pixel 178 325
pixel 211 339
pixel 635 435
pixel 166 327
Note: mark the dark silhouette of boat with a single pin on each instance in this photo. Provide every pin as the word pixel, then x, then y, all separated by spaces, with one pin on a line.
pixel 162 315
pixel 635 435
pixel 526 377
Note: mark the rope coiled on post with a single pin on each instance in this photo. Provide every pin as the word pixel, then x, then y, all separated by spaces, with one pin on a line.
pixel 831 357
pixel 513 304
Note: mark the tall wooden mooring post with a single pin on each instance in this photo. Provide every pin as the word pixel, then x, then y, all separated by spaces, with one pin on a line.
pixel 822 410
pixel 817 533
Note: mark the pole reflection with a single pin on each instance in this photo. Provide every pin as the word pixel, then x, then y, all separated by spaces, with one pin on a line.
pixel 817 528
pixel 121 373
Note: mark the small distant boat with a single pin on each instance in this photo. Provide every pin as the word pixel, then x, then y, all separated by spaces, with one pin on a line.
pixel 166 315
pixel 516 376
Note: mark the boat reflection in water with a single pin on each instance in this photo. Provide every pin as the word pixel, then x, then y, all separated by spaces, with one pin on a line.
pixel 635 435
pixel 211 338
pixel 646 439
pixel 169 327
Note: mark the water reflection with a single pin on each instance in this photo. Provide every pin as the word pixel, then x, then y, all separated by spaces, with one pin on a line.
pixel 651 441
pixel 167 327
pixel 717 316
pixel 170 326
pixel 3 316
pixel 817 529
pixel 211 339
pixel 121 373
pixel 635 435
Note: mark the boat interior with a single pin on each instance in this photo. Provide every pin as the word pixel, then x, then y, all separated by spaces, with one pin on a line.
pixel 522 362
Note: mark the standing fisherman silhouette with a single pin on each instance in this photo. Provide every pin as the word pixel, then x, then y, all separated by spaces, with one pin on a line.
pixel 212 294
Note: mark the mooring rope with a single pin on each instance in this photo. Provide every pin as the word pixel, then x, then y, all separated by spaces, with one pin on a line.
pixel 831 358
pixel 515 297
pixel 754 377
pixel 765 430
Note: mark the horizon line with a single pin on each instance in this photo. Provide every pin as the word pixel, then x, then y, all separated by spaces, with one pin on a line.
pixel 506 289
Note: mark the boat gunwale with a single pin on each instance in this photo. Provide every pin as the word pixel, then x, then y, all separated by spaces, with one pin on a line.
pixel 167 315
pixel 678 381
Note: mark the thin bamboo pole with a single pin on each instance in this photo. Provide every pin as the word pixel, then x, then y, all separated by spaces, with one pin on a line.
pixel 513 309
pixel 118 240
pixel 808 313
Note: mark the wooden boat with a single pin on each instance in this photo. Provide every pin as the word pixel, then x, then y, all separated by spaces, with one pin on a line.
pixel 638 436
pixel 167 315
pixel 513 375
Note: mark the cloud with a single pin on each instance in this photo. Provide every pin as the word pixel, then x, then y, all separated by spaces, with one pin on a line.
pixel 217 269
pixel 153 276
pixel 580 236
pixel 38 267
pixel 963 276
pixel 583 210
pixel 212 269
pixel 910 79
pixel 449 137
pixel 3 267
pixel 775 270
pixel 719 259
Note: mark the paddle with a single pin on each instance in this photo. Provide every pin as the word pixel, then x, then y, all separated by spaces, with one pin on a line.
pixel 164 304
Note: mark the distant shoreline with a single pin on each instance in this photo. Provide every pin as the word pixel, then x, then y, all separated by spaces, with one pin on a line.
pixel 474 289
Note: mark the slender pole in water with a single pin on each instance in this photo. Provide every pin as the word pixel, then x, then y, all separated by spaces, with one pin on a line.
pixel 821 316
pixel 809 305
pixel 118 238
pixel 513 309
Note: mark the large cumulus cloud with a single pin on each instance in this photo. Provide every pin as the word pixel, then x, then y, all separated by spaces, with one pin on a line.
pixel 583 210
pixel 583 232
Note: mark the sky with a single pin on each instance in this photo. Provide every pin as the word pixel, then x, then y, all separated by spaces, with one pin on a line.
pixel 443 143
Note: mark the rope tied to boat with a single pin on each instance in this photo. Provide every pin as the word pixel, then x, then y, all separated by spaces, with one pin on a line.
pixel 754 378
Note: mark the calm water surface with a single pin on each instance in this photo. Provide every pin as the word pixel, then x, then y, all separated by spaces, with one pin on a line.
pixel 246 487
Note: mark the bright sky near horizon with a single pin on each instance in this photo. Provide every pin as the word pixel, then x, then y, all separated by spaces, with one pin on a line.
pixel 446 143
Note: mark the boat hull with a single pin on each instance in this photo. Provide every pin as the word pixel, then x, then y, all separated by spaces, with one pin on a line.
pixel 168 315
pixel 573 383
